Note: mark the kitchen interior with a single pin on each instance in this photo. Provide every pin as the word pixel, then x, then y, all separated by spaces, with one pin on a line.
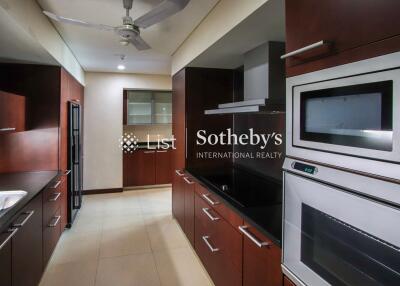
pixel 103 181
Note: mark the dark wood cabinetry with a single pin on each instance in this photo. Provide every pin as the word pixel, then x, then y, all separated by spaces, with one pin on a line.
pixel 27 247
pixel 147 167
pixel 261 259
pixel 287 282
pixel 189 186
pixel 352 30
pixel 12 113
pixel 6 258
pixel 178 198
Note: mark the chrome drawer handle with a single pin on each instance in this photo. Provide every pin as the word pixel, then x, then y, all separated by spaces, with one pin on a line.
pixel 179 173
pixel 304 49
pixel 30 213
pixel 57 218
pixel 206 197
pixel 57 195
pixel 162 151
pixel 205 239
pixel 207 212
pixel 56 185
pixel 149 152
pixel 259 243
pixel 8 129
pixel 12 232
pixel 188 181
pixel 67 172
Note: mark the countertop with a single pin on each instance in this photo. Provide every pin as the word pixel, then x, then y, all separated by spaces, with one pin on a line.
pixel 31 182
pixel 265 218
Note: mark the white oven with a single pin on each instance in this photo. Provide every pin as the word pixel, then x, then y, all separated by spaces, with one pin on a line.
pixel 348 116
pixel 339 228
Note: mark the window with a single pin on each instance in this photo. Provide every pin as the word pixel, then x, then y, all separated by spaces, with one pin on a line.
pixel 149 107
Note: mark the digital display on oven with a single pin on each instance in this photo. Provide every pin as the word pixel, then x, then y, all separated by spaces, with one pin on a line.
pixel 304 168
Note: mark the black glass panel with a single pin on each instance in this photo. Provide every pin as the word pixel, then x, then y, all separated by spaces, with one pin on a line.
pixel 344 255
pixel 357 116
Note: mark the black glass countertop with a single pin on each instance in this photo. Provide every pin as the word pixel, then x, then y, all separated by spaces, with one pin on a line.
pixel 257 198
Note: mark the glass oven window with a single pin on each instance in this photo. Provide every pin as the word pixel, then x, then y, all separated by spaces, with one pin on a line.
pixel 344 255
pixel 357 116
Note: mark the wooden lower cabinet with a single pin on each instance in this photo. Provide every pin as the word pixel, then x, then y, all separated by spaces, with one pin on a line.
pixel 178 198
pixel 163 167
pixel 27 254
pixel 5 259
pixel 218 245
pixel 189 187
pixel 261 262
pixel 51 234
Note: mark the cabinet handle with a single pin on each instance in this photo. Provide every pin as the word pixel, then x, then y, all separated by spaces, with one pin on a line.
pixel 205 239
pixel 56 185
pixel 207 212
pixel 304 49
pixel 179 173
pixel 57 218
pixel 57 195
pixel 188 181
pixel 67 172
pixel 260 244
pixel 8 129
pixel 162 151
pixel 12 232
pixel 206 197
pixel 29 214
pixel 149 152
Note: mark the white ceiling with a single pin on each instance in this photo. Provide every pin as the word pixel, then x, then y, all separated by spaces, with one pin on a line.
pixel 97 50
pixel 266 24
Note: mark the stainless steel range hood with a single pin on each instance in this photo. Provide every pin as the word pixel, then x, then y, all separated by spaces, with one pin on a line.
pixel 264 83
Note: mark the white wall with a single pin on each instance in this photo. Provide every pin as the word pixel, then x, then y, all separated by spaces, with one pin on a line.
pixel 29 16
pixel 103 128
pixel 224 17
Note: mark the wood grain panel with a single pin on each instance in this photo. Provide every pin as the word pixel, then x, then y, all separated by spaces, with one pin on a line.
pixel 189 209
pixel 12 112
pixel 163 167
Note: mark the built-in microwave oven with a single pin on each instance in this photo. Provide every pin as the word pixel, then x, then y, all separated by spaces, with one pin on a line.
pixel 347 116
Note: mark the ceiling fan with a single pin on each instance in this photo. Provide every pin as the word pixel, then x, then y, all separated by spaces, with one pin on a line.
pixel 129 31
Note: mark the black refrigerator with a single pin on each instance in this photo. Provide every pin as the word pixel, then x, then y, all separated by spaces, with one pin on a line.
pixel 74 160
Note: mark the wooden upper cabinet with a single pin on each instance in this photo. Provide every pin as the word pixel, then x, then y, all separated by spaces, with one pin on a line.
pixel 179 118
pixel 345 26
pixel 261 259
pixel 12 112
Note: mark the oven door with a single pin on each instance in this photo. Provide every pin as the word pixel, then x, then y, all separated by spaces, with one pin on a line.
pixel 335 237
pixel 356 116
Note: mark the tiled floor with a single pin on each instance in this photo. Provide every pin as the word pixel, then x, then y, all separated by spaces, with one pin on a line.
pixel 125 239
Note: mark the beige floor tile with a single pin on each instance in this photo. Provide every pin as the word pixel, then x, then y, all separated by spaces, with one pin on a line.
pixel 179 267
pixel 80 273
pixel 164 233
pixel 132 270
pixel 74 246
pixel 123 241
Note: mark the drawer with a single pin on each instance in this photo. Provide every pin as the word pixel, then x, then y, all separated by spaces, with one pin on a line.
pixel 51 235
pixel 216 204
pixel 218 245
pixel 52 197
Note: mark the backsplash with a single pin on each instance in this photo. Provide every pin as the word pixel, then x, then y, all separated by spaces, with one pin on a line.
pixel 153 131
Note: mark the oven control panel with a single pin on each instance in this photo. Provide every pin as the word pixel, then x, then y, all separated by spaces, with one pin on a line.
pixel 309 169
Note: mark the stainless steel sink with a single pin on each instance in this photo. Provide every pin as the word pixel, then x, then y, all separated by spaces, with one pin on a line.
pixel 9 198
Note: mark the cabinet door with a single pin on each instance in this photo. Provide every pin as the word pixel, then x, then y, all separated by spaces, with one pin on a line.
pixel 178 198
pixel 27 250
pixel 179 119
pixel 51 235
pixel 287 282
pixel 5 258
pixel 12 113
pixel 139 168
pixel 189 186
pixel 163 167
pixel 345 24
pixel 261 260
pixel 218 245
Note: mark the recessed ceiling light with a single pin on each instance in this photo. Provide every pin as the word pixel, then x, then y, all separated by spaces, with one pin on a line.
pixel 121 67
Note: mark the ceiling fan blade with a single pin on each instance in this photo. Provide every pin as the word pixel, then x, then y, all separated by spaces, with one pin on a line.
pixel 139 43
pixel 161 12
pixel 77 22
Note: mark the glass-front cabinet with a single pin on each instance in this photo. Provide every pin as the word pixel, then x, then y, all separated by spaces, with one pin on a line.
pixel 148 107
